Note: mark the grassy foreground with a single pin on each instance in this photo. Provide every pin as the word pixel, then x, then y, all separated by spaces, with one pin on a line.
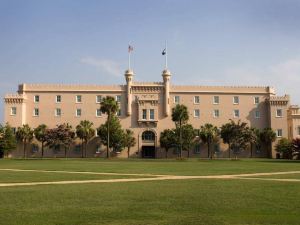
pixel 150 202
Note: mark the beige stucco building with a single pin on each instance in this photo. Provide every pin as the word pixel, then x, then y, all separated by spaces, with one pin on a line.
pixel 146 109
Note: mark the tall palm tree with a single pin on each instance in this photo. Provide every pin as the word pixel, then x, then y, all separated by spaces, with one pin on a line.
pixel 268 136
pixel 129 140
pixel 180 116
pixel 25 135
pixel 85 132
pixel 110 107
pixel 40 135
pixel 208 133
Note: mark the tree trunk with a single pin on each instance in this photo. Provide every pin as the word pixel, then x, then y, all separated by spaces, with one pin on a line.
pixel 85 146
pixel 128 151
pixel 188 153
pixel 211 153
pixel 24 149
pixel 65 152
pixel 167 153
pixel 208 150
pixel 42 149
pixel 229 150
pixel 107 149
pixel 251 151
pixel 180 138
pixel 81 148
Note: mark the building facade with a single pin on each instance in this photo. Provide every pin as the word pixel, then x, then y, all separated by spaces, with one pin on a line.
pixel 146 109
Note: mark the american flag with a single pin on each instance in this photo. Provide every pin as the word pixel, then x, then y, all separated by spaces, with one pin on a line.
pixel 130 48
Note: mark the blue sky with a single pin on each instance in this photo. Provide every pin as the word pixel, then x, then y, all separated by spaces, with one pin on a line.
pixel 211 42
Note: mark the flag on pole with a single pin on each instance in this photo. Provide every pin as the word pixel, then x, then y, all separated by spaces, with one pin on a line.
pixel 164 52
pixel 130 48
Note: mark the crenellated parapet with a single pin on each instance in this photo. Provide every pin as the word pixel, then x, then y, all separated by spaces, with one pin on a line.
pixel 279 100
pixel 14 98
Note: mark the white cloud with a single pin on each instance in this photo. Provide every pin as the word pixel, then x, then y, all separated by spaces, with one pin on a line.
pixel 284 77
pixel 105 65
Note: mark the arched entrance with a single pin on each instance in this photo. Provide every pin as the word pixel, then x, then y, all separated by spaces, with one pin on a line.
pixel 148 144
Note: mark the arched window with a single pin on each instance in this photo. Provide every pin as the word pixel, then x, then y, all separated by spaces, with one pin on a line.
pixel 148 136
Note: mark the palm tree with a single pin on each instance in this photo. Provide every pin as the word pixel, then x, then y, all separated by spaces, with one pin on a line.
pixel 208 133
pixel 268 136
pixel 85 132
pixel 167 140
pixel 25 135
pixel 180 116
pixel 109 106
pixel 255 140
pixel 129 140
pixel 40 135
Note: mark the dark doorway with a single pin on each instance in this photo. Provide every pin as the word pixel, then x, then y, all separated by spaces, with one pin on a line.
pixel 148 151
pixel 1 154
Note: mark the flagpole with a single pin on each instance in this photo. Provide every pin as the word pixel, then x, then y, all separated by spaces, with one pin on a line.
pixel 166 59
pixel 129 53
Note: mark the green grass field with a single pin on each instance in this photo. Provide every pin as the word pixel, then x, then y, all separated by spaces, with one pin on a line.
pixel 191 201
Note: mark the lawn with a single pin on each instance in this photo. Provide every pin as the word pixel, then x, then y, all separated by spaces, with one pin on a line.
pixel 197 201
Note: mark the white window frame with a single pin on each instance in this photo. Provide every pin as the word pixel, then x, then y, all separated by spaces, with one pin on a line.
pixel 254 100
pixel 13 111
pixel 234 115
pixel 77 99
pixel 36 110
pixel 196 110
pixel 216 102
pixel 279 116
pixel 257 116
pixel 100 96
pixel 144 110
pixel 238 100
pixel 120 98
pixel 175 97
pixel 151 113
pixel 119 113
pixel 56 99
pixel 97 113
pixel 197 102
pixel 279 131
pixel 214 113
pixel 34 99
pixel 55 112
pixel 77 114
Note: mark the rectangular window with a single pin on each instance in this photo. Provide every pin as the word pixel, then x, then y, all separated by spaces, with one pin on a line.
pixel 78 112
pixel 36 98
pixel 119 112
pixel 197 149
pixel 58 112
pixel 98 98
pixel 236 100
pixel 58 99
pixel 216 100
pixel 118 98
pixel 216 113
pixel 36 112
pixel 257 114
pixel 279 133
pixel 176 99
pixel 151 114
pixel 256 100
pixel 197 113
pixel 196 99
pixel 236 113
pixel 144 116
pixel 78 99
pixel 13 111
pixel 98 113
pixel 278 112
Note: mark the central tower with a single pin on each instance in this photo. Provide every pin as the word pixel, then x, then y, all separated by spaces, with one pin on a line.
pixel 166 74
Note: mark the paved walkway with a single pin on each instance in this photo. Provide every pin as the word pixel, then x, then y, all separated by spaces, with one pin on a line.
pixel 248 176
